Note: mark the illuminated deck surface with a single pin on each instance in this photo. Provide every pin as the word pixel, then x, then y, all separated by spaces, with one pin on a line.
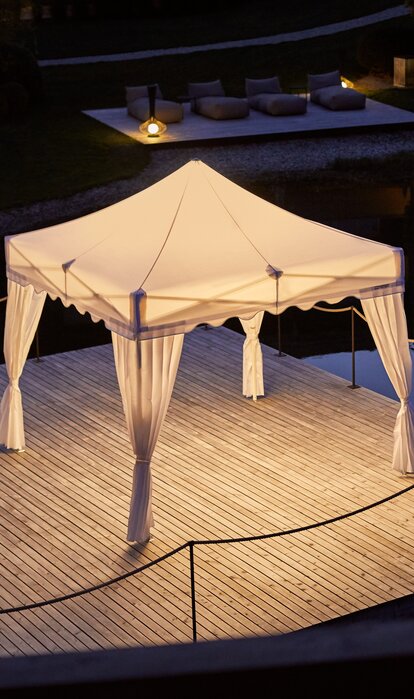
pixel 224 467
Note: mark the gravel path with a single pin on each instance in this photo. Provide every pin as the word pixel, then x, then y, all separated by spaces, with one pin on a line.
pixel 335 28
pixel 239 162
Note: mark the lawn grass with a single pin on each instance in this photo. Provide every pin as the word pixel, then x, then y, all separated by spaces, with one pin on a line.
pixel 397 97
pixel 249 19
pixel 52 156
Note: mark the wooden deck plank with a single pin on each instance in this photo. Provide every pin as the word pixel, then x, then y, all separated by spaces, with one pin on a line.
pixel 224 466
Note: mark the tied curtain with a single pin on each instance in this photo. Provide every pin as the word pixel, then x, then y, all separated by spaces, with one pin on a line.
pixel 252 357
pixel 146 371
pixel 23 311
pixel 388 325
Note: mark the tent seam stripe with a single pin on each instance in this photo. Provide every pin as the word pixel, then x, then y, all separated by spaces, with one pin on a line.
pixel 236 222
pixel 166 237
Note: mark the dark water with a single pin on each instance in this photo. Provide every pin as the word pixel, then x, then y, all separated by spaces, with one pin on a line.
pixel 369 370
pixel 385 214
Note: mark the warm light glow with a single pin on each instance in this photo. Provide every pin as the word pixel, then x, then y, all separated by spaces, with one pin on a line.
pixel 345 82
pixel 153 128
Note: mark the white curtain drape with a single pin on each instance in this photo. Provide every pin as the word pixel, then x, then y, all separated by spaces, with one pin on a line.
pixel 146 373
pixel 23 311
pixel 388 325
pixel 252 357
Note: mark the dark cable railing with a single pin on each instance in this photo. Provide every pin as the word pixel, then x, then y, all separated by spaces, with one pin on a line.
pixel 191 545
pixel 354 311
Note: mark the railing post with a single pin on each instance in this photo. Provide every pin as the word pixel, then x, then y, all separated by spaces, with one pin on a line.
pixel 353 384
pixel 193 595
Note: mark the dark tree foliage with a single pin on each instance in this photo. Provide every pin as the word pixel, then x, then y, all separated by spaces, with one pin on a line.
pixel 106 9
pixel 20 81
pixel 377 48
pixel 18 65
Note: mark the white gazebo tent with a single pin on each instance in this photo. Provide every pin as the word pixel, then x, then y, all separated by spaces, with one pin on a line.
pixel 194 248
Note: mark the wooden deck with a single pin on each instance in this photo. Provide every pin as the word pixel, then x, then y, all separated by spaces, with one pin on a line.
pixel 224 467
pixel 195 128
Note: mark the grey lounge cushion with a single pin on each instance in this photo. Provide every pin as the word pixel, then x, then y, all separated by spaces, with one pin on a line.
pixel 323 80
pixel 221 107
pixel 280 105
pixel 134 92
pixel 255 101
pixel 212 88
pixel 166 111
pixel 338 98
pixel 259 87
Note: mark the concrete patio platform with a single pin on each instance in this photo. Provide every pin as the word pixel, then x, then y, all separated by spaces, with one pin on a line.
pixel 318 120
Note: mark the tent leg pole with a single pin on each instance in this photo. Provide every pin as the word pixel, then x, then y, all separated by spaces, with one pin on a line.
pixel 353 384
pixel 279 337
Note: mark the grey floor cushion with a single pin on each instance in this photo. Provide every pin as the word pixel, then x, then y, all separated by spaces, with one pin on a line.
pixel 165 110
pixel 221 107
pixel 338 98
pixel 279 104
pixel 213 88
pixel 262 86
pixel 323 80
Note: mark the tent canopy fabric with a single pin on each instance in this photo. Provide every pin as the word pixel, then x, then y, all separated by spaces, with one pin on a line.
pixel 193 248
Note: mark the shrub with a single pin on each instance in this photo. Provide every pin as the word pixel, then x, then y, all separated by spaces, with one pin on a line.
pixel 4 106
pixel 17 98
pixel 18 65
pixel 377 48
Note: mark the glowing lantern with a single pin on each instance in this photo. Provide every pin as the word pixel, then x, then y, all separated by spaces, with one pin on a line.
pixel 153 128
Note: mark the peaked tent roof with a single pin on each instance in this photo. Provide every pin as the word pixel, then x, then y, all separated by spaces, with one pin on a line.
pixel 197 248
